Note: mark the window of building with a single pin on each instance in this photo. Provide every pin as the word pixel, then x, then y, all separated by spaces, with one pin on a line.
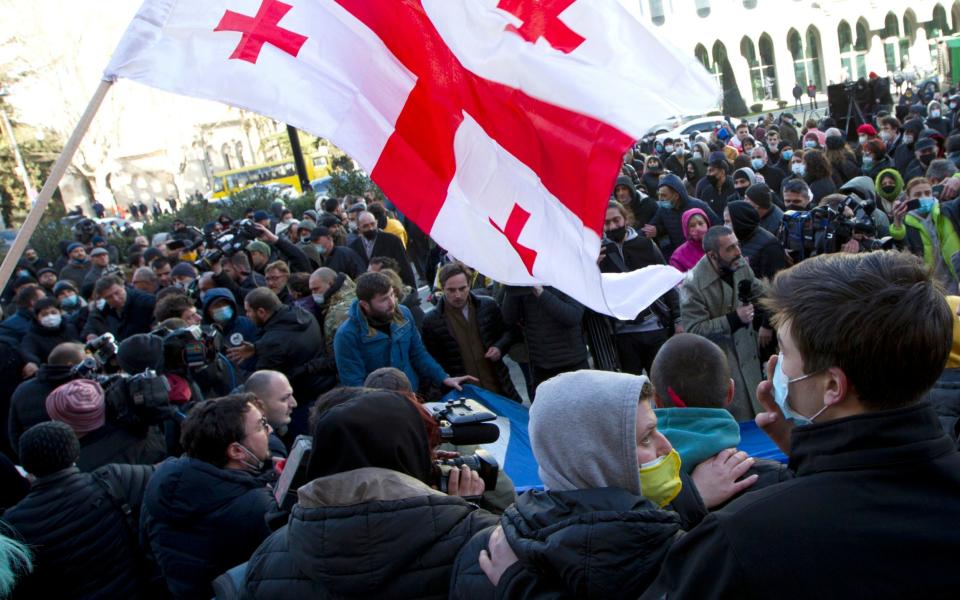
pixel 656 12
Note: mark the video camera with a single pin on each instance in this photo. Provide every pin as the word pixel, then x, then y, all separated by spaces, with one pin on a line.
pixel 480 461
pixel 226 243
pixel 825 229
pixel 103 357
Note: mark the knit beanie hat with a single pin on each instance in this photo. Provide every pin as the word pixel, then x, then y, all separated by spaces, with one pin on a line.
pixel 79 404
pixel 183 269
pixel 48 447
pixel 258 246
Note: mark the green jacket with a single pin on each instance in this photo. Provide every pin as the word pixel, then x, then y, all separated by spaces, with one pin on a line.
pixel 917 238
pixel 338 310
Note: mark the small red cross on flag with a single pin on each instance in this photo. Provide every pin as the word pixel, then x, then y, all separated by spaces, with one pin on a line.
pixel 489 123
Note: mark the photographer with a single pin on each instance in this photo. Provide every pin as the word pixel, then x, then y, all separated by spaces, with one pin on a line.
pixel 863 338
pixel 370 476
pixel 927 229
pixel 235 274
pixel 283 249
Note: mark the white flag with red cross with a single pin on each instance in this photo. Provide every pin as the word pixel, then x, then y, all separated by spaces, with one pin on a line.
pixel 498 126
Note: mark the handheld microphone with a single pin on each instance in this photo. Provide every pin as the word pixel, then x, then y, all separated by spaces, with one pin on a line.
pixel 745 292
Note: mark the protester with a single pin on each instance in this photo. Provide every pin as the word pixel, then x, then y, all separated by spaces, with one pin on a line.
pixel 205 511
pixel 120 311
pixel 379 333
pixel 273 390
pixel 82 527
pixel 846 411
pixel 49 330
pixel 667 223
pixel 928 231
pixel 466 333
pixel 374 242
pixel 695 224
pixel 333 294
pixel 711 306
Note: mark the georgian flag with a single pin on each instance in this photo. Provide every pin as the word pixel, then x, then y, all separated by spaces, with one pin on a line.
pixel 498 126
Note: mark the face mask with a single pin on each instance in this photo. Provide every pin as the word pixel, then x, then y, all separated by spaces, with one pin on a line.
pixel 668 148
pixel 370 234
pixel 224 313
pixel 953 106
pixel 757 164
pixel 679 151
pixel 713 179
pixel 867 163
pixel 781 387
pixel 352 226
pixel 886 136
pixel 773 146
pixel 698 154
pixel 252 464
pixel 654 170
pixel 101 304
pixel 618 234
pixel 926 159
pixel 810 143
pixel 318 299
pixel 741 192
pixel 926 205
pixel 934 114
pixel 69 301
pixel 664 204
pixel 660 479
pixel 23 273
pixel 908 139
pixel 889 189
pixel 51 321
pixel 862 139
pixel 799 169
pixel 787 154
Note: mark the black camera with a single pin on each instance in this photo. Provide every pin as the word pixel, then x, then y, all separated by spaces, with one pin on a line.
pixel 464 422
pixel 139 401
pixel 227 243
pixel 480 461
pixel 104 350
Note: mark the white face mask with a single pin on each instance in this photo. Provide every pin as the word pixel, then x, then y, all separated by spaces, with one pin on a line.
pixel 318 298
pixel 863 140
pixel 51 321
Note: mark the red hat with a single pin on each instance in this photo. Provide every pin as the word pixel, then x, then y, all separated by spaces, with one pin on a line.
pixel 873 75
pixel 79 404
pixel 867 129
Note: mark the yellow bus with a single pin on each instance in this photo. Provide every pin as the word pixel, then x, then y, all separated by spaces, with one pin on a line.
pixel 282 172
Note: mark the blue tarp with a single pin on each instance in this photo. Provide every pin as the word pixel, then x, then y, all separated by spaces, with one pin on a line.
pixel 515 454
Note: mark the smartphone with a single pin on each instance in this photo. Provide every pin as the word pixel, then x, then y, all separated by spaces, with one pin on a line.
pixel 938 190
pixel 913 205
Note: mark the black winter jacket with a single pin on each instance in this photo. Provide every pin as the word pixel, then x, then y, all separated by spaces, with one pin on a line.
pixel 137 317
pixel 199 520
pixel 27 403
pixel 551 325
pixel 387 244
pixel 40 341
pixel 442 345
pixel 866 487
pixel 638 252
pixel 944 396
pixel 376 539
pixel 83 544
pixel 595 543
pixel 111 444
pixel 290 339
pixel 345 260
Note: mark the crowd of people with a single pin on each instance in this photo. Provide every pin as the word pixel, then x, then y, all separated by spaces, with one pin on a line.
pixel 157 396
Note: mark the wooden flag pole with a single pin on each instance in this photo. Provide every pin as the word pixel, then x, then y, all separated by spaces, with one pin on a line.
pixel 56 174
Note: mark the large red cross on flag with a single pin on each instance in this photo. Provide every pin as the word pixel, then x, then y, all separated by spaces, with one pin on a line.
pixel 498 126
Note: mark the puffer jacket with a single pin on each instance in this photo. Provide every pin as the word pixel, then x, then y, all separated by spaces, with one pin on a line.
pixel 442 344
pixel 289 340
pixel 361 349
pixel 551 325
pixel 595 543
pixel 27 403
pixel 366 533
pixel 199 520
pixel 84 545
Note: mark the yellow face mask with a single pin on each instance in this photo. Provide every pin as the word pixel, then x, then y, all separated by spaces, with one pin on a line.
pixel 660 479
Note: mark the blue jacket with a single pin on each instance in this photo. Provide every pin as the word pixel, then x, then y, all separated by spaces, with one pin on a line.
pixel 15 327
pixel 361 349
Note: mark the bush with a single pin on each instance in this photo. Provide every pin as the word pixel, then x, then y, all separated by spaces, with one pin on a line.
pixel 755 108
pixel 782 103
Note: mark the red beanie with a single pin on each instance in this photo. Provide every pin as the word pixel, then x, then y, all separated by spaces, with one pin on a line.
pixel 867 129
pixel 79 404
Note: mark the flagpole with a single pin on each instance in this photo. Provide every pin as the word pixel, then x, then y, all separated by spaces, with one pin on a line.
pixel 50 186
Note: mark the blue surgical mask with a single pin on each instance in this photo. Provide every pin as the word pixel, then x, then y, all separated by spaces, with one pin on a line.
pixel 224 313
pixel 810 143
pixel 101 304
pixel 781 387
pixel 757 164
pixel 69 301
pixel 318 299
pixel 926 205
pixel 787 154
pixel 934 114
pixel 23 273
pixel 321 249
pixel 664 204
pixel 799 169
pixel 668 148
pixel 698 154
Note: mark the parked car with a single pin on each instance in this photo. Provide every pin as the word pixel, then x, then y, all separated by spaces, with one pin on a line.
pixel 692 127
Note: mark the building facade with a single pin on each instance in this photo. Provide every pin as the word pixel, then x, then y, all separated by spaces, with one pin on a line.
pixel 765 47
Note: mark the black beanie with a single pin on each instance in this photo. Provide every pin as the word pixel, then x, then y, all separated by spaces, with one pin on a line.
pixel 835 142
pixel 48 447
pixel 760 194
pixel 140 352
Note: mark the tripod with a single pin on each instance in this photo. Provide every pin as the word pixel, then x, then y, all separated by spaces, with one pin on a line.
pixel 852 108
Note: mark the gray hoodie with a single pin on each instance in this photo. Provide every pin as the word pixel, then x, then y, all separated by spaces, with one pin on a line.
pixel 583 429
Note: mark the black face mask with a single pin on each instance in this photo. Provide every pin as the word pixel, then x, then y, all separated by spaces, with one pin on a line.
pixel 713 179
pixel 654 170
pixel 741 192
pixel 926 159
pixel 889 189
pixel 370 234
pixel 692 176
pixel 617 234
